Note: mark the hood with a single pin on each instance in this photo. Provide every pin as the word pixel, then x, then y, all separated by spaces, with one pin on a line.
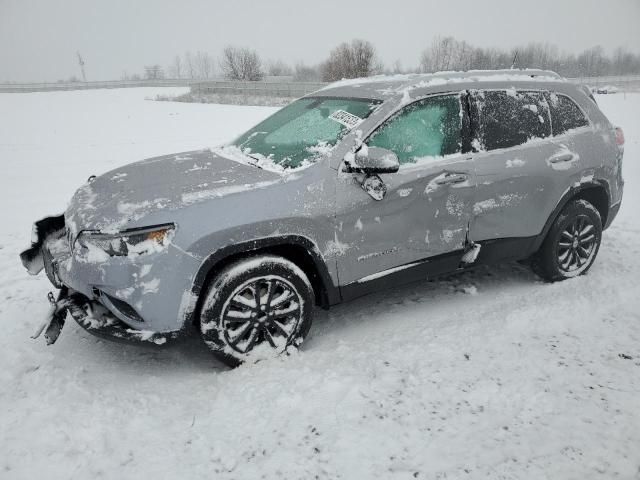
pixel 121 198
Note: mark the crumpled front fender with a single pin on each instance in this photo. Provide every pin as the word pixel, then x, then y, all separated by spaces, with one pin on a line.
pixel 32 257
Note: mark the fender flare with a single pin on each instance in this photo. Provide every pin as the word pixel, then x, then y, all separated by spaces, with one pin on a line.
pixel 330 294
pixel 573 192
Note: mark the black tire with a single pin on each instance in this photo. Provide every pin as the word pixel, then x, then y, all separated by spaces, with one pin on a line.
pixel 572 243
pixel 256 307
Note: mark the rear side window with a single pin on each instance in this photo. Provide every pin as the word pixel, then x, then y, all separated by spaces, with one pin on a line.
pixel 427 128
pixel 565 114
pixel 509 118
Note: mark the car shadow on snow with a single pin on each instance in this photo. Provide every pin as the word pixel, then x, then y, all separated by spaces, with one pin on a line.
pixel 185 354
pixel 446 292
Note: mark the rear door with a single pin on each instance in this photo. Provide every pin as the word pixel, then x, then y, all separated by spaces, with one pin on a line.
pixel 516 163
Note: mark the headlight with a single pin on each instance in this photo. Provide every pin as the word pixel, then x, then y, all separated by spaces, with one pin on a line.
pixel 130 242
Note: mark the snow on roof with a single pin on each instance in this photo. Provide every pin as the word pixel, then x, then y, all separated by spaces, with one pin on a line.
pixel 387 85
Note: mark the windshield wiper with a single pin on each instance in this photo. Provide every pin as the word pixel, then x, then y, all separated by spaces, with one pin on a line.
pixel 256 159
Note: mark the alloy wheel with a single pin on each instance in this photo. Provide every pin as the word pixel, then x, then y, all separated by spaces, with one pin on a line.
pixel 577 244
pixel 261 310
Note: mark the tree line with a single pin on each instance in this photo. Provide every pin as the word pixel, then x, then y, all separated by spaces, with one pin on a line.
pixel 448 53
pixel 359 58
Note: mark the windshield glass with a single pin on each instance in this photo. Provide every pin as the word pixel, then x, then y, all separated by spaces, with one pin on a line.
pixel 304 130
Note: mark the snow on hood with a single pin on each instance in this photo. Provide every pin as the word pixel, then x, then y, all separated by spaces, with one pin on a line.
pixel 120 198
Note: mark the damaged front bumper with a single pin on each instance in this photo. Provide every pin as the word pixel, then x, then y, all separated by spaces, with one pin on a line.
pixel 95 319
pixel 51 249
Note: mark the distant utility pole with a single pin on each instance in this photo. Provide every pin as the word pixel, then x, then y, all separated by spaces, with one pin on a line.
pixel 81 63
pixel 515 60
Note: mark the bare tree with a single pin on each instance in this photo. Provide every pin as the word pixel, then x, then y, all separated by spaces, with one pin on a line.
pixel 447 53
pixel 189 65
pixel 397 67
pixel 305 73
pixel 624 62
pixel 277 68
pixel 593 62
pixel 351 60
pixel 175 69
pixel 153 72
pixel 241 64
pixel 439 56
pixel 620 60
pixel 538 55
pixel 204 65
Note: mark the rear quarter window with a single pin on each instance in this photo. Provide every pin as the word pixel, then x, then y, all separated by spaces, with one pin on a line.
pixel 507 118
pixel 565 114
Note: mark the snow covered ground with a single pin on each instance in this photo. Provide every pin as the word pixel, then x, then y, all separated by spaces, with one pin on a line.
pixel 490 374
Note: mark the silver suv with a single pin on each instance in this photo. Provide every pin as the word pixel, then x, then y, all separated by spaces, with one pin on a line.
pixel 363 185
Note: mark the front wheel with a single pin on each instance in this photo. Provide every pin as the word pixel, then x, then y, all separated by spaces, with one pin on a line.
pixel 256 307
pixel 572 243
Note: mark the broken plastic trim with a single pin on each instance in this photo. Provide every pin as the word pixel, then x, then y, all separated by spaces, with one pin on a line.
pixel 471 254
pixel 55 318
pixel 96 319
pixel 121 307
pixel 32 258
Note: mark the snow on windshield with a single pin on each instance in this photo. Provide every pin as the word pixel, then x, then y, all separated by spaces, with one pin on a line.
pixel 301 133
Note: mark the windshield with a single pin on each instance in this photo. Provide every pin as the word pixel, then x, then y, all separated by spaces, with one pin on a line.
pixel 304 130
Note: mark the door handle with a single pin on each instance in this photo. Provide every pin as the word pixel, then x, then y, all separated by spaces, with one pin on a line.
pixel 451 178
pixel 563 157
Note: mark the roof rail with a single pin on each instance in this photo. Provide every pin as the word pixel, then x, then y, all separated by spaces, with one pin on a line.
pixel 525 72
pixel 401 82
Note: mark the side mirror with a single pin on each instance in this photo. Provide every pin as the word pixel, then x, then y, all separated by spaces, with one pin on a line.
pixel 373 160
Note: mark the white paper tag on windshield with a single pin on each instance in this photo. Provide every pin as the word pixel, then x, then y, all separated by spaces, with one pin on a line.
pixel 345 118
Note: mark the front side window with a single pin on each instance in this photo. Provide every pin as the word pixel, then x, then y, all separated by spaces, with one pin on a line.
pixel 427 128
pixel 506 118
pixel 565 114
pixel 303 130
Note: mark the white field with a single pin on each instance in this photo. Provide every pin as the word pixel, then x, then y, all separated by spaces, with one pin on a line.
pixel 490 374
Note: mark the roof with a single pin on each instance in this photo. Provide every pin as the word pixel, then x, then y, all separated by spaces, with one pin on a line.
pixel 385 86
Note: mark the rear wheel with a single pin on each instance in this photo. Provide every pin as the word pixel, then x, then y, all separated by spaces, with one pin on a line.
pixel 572 243
pixel 256 307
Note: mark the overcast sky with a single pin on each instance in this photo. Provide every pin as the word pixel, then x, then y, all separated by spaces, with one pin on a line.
pixel 39 38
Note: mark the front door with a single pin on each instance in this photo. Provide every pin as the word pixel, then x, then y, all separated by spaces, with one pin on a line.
pixel 429 201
